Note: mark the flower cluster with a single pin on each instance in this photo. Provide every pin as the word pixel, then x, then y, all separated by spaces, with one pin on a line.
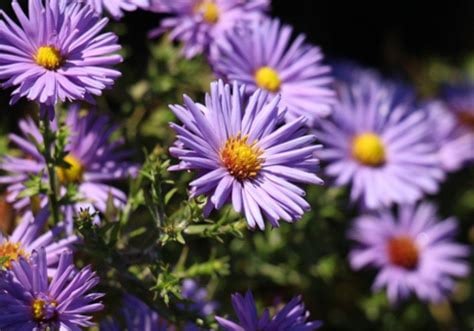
pixel 274 112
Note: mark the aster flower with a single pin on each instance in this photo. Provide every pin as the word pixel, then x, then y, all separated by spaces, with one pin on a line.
pixel 376 140
pixel 198 23
pixel 414 252
pixel 57 53
pixel 293 316
pixel 198 302
pixel 137 317
pixel 266 57
pixel 28 236
pixel 116 8
pixel 243 156
pixel 30 301
pixel 454 141
pixel 94 161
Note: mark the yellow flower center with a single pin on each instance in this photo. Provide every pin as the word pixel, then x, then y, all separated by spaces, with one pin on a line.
pixel 368 149
pixel 466 118
pixel 209 10
pixel 48 57
pixel 73 174
pixel 267 78
pixel 403 252
pixel 242 160
pixel 12 252
pixel 43 310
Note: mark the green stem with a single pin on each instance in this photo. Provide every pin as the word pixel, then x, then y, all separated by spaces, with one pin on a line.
pixel 50 165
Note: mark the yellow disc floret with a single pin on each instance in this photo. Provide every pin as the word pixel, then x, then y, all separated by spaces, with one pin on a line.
pixel 368 149
pixel 74 173
pixel 209 10
pixel 42 309
pixel 267 78
pixel 48 57
pixel 242 160
pixel 10 252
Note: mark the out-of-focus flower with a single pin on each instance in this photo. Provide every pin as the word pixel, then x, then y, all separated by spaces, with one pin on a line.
pixel 377 141
pixel 57 53
pixel 116 8
pixel 293 316
pixel 94 161
pixel 244 156
pixel 32 301
pixel 29 236
pixel 264 56
pixel 413 251
pixel 198 23
pixel 455 143
pixel 198 302
pixel 137 317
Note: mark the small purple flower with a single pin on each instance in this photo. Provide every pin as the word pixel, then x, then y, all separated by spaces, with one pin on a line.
pixel 198 23
pixel 137 317
pixel 379 143
pixel 28 236
pixel 94 161
pixel 265 57
pixel 57 53
pixel 243 156
pixel 455 143
pixel 32 301
pixel 413 251
pixel 116 8
pixel 199 302
pixel 293 316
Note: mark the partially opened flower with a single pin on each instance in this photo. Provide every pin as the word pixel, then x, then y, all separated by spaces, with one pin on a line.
pixel 377 141
pixel 58 53
pixel 454 141
pixel 29 235
pixel 414 252
pixel 93 161
pixel 265 56
pixel 292 316
pixel 116 8
pixel 243 156
pixel 32 301
pixel 199 23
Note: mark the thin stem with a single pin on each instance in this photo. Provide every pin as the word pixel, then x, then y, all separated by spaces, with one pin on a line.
pixel 48 139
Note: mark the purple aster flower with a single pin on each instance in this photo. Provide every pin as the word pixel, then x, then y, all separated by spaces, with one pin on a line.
pixel 454 142
pixel 198 23
pixel 378 142
pixel 94 161
pixel 30 301
pixel 117 7
pixel 137 317
pixel 266 57
pixel 29 236
pixel 57 53
pixel 199 302
pixel 293 316
pixel 244 156
pixel 413 251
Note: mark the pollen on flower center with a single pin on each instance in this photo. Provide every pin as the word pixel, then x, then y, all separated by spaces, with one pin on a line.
pixel 368 149
pixel 267 78
pixel 48 57
pixel 210 11
pixel 73 174
pixel 43 309
pixel 11 252
pixel 403 252
pixel 242 160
